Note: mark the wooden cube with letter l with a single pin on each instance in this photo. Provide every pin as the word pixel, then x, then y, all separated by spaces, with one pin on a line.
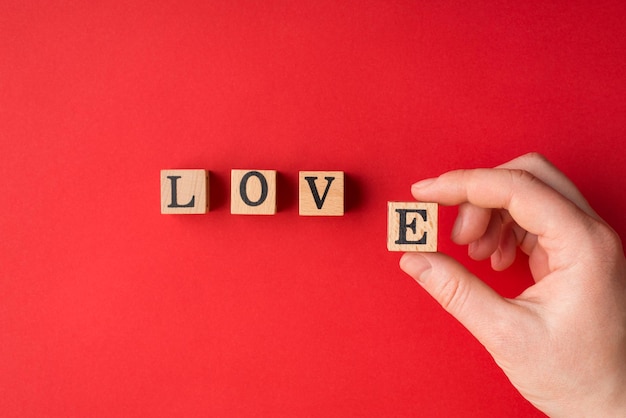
pixel 412 226
pixel 184 191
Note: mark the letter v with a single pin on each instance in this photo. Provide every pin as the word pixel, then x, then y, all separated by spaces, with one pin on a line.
pixel 319 202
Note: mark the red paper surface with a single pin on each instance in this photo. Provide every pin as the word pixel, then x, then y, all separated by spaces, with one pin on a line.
pixel 108 308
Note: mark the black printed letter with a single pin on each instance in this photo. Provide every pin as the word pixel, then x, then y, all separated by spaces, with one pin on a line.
pixel 174 203
pixel 243 187
pixel 319 202
pixel 413 226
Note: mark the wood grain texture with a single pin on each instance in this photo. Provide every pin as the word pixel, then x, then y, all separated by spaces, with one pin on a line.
pixel 412 226
pixel 253 192
pixel 184 191
pixel 321 193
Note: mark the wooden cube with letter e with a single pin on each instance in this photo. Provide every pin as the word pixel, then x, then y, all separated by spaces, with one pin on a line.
pixel 412 226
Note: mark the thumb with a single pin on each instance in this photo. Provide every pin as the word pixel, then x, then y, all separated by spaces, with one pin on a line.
pixel 477 306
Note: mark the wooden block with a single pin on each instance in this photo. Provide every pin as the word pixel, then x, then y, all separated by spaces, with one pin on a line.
pixel 253 192
pixel 184 191
pixel 321 193
pixel 412 226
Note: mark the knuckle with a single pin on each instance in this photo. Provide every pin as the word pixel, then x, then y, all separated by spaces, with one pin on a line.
pixel 536 158
pixel 452 294
pixel 519 180
pixel 606 240
pixel 520 176
pixel 601 253
pixel 464 174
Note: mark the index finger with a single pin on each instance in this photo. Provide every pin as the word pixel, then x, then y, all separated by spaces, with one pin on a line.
pixel 535 206
pixel 540 167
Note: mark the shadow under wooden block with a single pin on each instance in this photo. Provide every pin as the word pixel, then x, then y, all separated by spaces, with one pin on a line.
pixel 288 186
pixel 184 191
pixel 412 226
pixel 321 193
pixel 253 192
pixel 354 197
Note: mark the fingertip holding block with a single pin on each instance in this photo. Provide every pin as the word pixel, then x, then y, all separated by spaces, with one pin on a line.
pixel 321 193
pixel 253 192
pixel 184 191
pixel 412 226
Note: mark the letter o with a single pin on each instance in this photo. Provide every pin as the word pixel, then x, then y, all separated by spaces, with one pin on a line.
pixel 244 185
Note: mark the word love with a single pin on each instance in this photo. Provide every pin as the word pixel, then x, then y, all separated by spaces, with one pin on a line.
pixel 253 192
pixel 411 226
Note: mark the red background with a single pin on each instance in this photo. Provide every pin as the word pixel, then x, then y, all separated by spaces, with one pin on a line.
pixel 108 308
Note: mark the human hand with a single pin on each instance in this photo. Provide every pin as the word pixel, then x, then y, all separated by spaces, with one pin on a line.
pixel 562 342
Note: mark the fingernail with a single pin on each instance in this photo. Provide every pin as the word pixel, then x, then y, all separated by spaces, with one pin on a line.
pixel 422 184
pixel 416 266
pixel 472 248
pixel 496 258
pixel 458 225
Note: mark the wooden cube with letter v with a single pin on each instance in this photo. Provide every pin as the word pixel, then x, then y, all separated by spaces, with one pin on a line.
pixel 412 226
pixel 321 193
